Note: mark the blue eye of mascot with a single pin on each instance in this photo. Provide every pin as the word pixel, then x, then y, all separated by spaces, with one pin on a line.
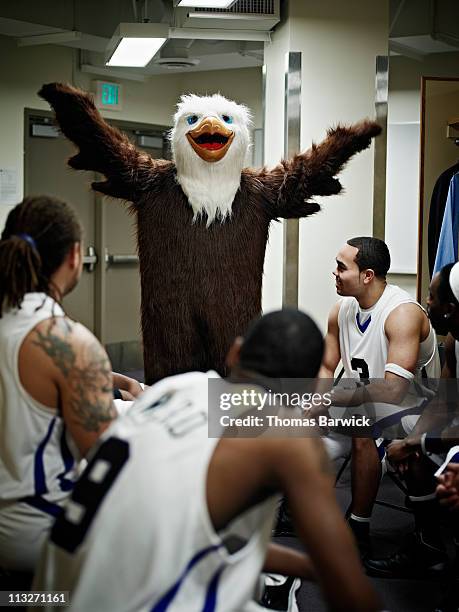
pixel 203 218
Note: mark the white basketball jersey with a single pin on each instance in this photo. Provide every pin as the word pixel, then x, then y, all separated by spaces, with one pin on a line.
pixel 136 534
pixel 36 466
pixel 363 342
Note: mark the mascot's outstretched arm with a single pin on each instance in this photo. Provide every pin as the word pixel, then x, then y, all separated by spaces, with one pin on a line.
pixel 102 148
pixel 313 173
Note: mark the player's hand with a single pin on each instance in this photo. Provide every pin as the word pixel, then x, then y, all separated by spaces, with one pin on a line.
pixel 448 487
pixel 129 387
pixel 448 497
pixel 398 452
pixel 126 396
pixel 134 388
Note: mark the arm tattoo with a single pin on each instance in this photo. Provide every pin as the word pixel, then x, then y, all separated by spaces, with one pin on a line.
pixel 88 383
pixel 59 349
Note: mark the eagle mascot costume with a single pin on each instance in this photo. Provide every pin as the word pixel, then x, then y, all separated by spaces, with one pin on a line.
pixel 202 219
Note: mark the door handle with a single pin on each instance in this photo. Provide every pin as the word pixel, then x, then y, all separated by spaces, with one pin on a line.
pixel 90 260
pixel 116 260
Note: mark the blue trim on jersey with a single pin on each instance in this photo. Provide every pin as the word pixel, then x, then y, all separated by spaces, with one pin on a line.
pixel 165 397
pixel 454 458
pixel 211 595
pixel 362 326
pixel 65 483
pixel 165 601
pixel 382 449
pixel 37 501
pixel 39 467
pixel 42 504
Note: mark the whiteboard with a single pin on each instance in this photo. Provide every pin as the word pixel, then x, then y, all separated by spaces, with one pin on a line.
pixel 402 196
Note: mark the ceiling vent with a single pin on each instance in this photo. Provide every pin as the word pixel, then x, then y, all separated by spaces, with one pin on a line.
pixel 176 63
pixel 242 15
pixel 176 56
pixel 254 7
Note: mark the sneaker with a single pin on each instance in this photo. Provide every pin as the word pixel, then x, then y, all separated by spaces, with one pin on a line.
pixel 416 559
pixel 280 593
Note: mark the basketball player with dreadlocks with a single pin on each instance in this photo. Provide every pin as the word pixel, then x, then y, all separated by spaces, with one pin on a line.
pixel 55 377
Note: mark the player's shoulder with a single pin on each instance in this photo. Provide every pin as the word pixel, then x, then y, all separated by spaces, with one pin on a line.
pixel 301 458
pixel 273 453
pixel 394 296
pixel 405 317
pixel 66 342
pixel 63 329
pixel 400 303
pixel 408 310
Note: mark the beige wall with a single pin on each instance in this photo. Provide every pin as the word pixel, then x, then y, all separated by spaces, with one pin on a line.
pixel 405 281
pixel 242 85
pixel 405 82
pixel 21 76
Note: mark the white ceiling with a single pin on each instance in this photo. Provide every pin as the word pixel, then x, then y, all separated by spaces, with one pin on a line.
pixel 88 26
pixel 417 28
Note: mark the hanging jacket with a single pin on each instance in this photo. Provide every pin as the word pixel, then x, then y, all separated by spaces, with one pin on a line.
pixel 447 251
pixel 436 212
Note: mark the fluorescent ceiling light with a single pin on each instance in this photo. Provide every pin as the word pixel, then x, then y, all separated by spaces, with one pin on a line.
pixel 205 3
pixel 135 51
pixel 135 44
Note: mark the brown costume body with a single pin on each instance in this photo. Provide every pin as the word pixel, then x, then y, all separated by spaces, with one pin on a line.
pixel 201 286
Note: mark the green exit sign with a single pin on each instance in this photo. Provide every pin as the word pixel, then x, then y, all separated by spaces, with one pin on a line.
pixel 110 93
pixel 109 96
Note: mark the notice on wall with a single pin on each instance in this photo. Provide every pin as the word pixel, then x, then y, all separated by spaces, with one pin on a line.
pixel 9 186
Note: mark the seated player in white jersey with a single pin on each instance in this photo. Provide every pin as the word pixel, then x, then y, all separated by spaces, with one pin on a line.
pixel 418 455
pixel 55 378
pixel 377 331
pixel 185 519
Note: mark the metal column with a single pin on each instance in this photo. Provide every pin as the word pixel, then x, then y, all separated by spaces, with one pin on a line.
pixel 292 131
pixel 379 174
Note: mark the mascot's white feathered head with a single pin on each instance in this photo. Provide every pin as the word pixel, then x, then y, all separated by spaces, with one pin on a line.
pixel 210 140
